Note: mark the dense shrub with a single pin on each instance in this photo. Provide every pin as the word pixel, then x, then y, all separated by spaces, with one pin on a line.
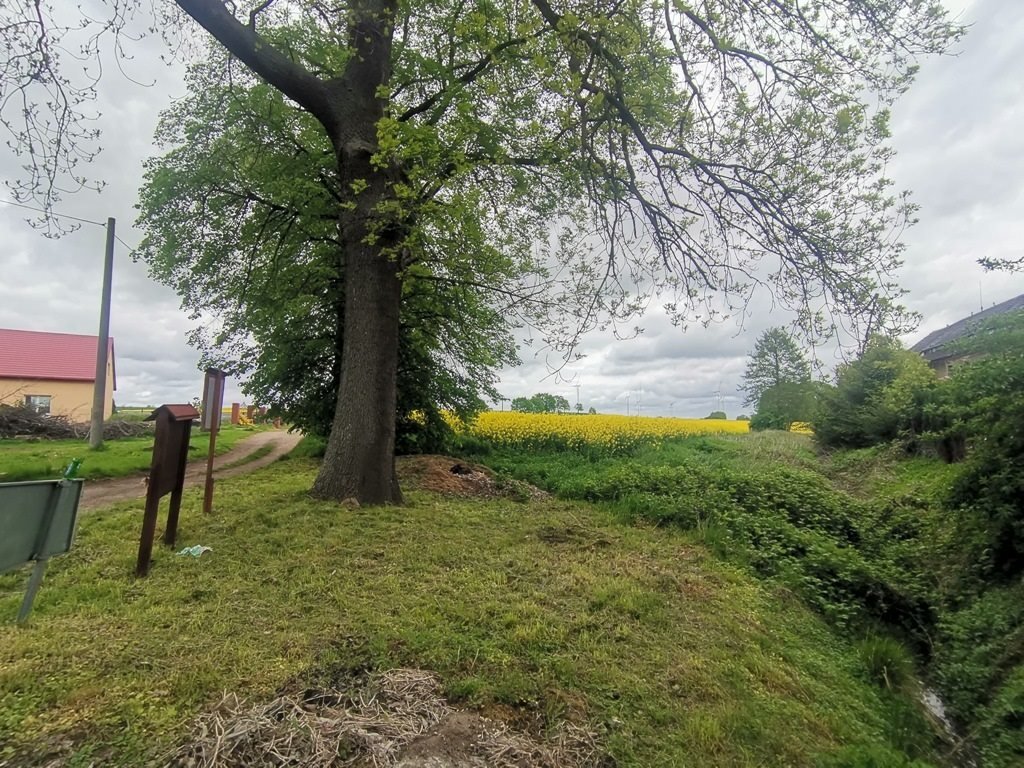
pixel 886 394
pixel 977 646
pixel 979 665
pixel 769 420
pixel 988 406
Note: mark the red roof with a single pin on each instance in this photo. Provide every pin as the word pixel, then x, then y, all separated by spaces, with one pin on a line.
pixel 49 356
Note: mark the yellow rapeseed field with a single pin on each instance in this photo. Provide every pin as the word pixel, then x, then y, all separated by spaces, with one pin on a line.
pixel 606 433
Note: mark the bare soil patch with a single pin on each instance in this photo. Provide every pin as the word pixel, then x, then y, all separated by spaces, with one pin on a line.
pixel 457 477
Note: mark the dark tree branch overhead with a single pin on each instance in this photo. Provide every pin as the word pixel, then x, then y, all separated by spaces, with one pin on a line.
pixel 255 12
pixel 261 57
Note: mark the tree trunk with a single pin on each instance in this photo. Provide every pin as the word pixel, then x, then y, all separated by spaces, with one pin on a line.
pixel 360 459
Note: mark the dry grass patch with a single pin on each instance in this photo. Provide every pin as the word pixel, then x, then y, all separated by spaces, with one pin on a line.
pixel 395 718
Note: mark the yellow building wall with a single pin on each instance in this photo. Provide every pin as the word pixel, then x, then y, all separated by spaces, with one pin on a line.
pixel 68 398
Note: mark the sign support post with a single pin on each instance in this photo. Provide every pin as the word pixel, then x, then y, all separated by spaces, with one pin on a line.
pixel 213 403
pixel 39 569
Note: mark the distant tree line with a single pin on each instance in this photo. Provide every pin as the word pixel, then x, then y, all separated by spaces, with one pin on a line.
pixel 542 402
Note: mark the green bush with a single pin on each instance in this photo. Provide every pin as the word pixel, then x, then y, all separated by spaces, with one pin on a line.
pixel 884 395
pixel 979 666
pixel 988 405
pixel 1000 725
pixel 766 420
pixel 977 647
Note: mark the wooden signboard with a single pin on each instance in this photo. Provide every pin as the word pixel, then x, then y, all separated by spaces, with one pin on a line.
pixel 213 405
pixel 213 399
pixel 166 475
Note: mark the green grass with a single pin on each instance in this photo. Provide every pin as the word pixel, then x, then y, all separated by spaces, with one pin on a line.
pixel 553 608
pixel 43 459
pixel 259 453
pixel 886 471
pixel 133 413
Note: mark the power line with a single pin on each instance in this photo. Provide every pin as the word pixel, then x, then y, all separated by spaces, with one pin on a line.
pixel 131 250
pixel 122 242
pixel 53 213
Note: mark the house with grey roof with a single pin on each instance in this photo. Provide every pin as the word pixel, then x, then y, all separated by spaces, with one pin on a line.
pixel 935 346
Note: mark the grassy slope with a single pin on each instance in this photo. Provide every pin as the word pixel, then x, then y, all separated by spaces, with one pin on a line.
pixel 22 460
pixel 550 608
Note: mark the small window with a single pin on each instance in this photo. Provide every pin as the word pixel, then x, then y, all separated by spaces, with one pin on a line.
pixel 38 403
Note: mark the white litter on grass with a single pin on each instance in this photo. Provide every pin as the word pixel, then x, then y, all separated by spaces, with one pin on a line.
pixel 195 551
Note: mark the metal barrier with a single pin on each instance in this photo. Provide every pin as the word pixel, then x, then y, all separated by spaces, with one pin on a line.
pixel 37 521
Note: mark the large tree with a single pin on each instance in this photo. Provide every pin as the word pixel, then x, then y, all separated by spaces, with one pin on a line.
pixel 241 217
pixel 658 150
pixel 777 359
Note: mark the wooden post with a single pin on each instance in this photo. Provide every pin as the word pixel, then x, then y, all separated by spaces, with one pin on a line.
pixel 148 531
pixel 236 411
pixel 208 491
pixel 213 402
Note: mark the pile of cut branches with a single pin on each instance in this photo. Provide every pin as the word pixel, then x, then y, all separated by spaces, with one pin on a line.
pixel 19 421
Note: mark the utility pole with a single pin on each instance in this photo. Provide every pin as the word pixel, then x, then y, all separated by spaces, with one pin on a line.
pixel 577 394
pixel 627 403
pixel 99 395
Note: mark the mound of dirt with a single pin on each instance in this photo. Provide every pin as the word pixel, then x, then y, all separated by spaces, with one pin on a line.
pixel 397 719
pixel 457 477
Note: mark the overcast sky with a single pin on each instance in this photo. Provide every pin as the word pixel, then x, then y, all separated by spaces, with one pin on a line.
pixel 959 134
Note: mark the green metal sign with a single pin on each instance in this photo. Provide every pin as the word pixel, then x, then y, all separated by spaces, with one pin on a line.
pixel 37 521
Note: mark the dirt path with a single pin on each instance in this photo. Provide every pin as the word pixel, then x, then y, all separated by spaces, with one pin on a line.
pixel 103 493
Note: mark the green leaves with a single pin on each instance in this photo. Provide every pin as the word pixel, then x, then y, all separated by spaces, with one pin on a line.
pixel 542 402
pixel 879 397
pixel 242 219
pixel 777 359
